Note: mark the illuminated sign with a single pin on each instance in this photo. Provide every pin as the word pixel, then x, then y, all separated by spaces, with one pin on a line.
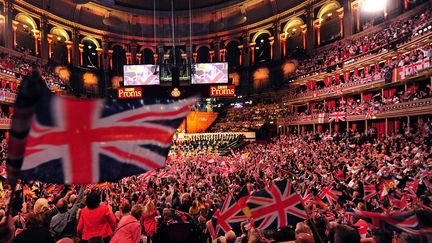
pixel 175 93
pixel 129 93
pixel 222 91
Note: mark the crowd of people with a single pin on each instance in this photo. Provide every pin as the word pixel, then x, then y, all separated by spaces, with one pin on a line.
pixel 207 143
pixel 393 33
pixel 176 201
pixel 21 65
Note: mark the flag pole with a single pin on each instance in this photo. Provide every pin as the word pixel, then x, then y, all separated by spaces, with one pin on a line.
pixel 314 229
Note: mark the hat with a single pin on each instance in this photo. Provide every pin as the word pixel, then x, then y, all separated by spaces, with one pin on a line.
pixel 40 205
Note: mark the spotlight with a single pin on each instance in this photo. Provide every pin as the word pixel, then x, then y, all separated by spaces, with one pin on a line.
pixel 425 29
pixel 329 14
pixel 373 6
pixel 294 30
pixel 262 40
pixel 420 31
pixel 59 38
pixel 430 27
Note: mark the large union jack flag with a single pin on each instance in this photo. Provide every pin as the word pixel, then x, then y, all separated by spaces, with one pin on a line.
pixel 89 141
pixel 276 206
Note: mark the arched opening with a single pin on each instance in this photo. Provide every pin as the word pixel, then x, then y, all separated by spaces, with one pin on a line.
pixel 147 56
pixel 330 27
pixel 59 51
pixel 26 34
pixel 262 48
pixel 294 36
pixel 90 56
pixel 233 54
pixel 203 55
pixel 118 59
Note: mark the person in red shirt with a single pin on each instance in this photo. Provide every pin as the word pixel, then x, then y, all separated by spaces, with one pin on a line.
pixel 96 221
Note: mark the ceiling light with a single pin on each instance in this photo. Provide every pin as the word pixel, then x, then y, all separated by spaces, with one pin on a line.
pixel 373 6
pixel 59 38
pixel 262 40
pixel 294 30
pixel 25 26
pixel 329 14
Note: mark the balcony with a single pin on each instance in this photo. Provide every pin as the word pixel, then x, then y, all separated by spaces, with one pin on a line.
pixel 410 108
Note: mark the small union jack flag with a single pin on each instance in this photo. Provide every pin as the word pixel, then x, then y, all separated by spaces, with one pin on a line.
pixel 75 141
pixel 329 194
pixel 337 116
pixel 369 191
pixel 214 229
pixel 307 197
pixel 276 206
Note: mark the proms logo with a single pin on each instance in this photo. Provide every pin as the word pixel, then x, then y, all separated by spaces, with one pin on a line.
pixel 129 93
pixel 222 91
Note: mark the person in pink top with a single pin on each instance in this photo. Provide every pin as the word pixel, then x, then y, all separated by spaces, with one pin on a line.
pixel 148 219
pixel 129 227
pixel 96 221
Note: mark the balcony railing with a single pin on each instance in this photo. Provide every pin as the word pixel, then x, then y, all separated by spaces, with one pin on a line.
pixel 409 108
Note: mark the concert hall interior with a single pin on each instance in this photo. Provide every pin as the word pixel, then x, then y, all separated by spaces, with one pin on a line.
pixel 252 121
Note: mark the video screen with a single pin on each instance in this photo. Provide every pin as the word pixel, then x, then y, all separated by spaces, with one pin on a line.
pixel 140 75
pixel 168 70
pixel 210 73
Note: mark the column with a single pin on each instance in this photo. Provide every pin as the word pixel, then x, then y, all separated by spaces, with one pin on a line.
pixel 133 48
pixel 240 47
pixel 10 40
pixel 271 39
pixel 283 43
pixel 14 38
pixel 69 45
pixel 155 58
pixel 105 61
pixel 386 126
pixel 81 54
pixel 50 40
pixel 195 57
pixel 128 58
pixel 318 32
pixel 138 57
pixel 357 14
pixel 110 61
pixel 347 18
pixel 252 52
pixel 341 20
pixel 223 55
pixel 310 27
pixel 75 48
pixel 216 48
pixel 304 31
pixel 99 53
pixel 276 39
pixel 44 37
pixel 212 54
pixel 36 35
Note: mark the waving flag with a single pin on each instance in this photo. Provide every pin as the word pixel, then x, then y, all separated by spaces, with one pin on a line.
pixel 337 116
pixel 329 194
pixel 230 214
pixel 214 229
pixel 369 191
pixel 90 141
pixel 307 197
pixel 397 221
pixel 276 206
